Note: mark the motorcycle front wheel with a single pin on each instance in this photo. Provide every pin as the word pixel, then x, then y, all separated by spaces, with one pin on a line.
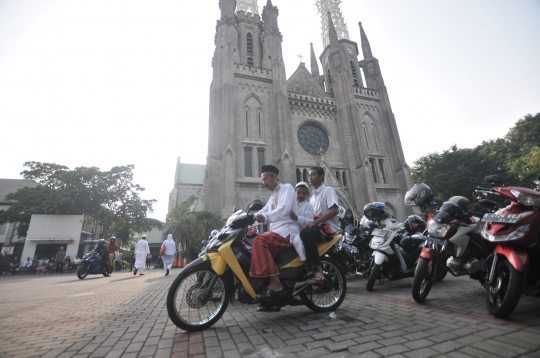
pixel 503 294
pixel 186 303
pixel 373 276
pixel 423 279
pixel 328 296
pixel 82 272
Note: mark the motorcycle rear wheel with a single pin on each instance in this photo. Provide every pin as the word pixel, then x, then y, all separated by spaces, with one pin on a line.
pixel 186 306
pixel 327 297
pixel 373 276
pixel 503 294
pixel 423 279
pixel 82 272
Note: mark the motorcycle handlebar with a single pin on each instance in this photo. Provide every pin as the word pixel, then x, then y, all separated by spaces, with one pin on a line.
pixel 479 188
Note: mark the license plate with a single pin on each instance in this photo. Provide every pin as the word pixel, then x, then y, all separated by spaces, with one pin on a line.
pixel 501 218
pixel 381 233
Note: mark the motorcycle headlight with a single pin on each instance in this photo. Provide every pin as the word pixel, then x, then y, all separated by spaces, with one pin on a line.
pixel 350 239
pixel 514 235
pixel 437 230
pixel 525 199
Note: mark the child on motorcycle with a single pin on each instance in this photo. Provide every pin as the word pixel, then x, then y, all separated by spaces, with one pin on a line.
pixel 304 216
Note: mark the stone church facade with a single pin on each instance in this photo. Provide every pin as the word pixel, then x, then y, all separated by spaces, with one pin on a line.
pixel 328 115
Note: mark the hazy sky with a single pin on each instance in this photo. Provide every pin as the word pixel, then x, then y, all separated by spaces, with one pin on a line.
pixel 115 82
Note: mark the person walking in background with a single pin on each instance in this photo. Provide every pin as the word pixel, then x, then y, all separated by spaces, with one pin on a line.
pixel 118 260
pixel 131 261
pixel 142 250
pixel 111 249
pixel 60 257
pixel 167 253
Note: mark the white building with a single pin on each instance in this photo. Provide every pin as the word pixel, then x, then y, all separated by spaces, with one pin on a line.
pixel 77 233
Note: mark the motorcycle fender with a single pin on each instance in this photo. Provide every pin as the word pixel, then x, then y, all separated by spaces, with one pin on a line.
pixel 212 261
pixel 229 260
pixel 429 253
pixel 379 257
pixel 517 256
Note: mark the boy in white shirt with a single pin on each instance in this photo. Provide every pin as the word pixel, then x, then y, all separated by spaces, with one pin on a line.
pixel 303 217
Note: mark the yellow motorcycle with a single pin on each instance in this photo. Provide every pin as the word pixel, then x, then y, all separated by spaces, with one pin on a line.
pixel 199 296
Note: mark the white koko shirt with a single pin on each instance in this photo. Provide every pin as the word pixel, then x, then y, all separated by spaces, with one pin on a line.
pixel 322 200
pixel 305 214
pixel 277 212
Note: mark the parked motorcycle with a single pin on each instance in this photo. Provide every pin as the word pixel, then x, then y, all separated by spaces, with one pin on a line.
pixel 354 250
pixel 453 243
pixel 514 267
pixel 199 296
pixel 395 248
pixel 90 265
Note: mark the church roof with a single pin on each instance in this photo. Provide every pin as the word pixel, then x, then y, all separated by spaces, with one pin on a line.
pixel 190 173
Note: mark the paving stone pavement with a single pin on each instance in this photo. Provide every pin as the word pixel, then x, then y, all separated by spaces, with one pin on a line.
pixel 125 316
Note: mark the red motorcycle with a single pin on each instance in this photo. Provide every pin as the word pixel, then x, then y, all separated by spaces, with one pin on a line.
pixel 515 266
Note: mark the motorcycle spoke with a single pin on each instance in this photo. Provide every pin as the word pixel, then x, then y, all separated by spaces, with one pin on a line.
pixel 190 306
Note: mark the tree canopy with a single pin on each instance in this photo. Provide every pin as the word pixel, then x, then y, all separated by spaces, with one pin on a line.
pixel 457 171
pixel 190 228
pixel 109 196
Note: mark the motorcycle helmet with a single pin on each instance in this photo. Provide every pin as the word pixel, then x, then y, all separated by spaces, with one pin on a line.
pixel 101 242
pixel 113 239
pixel 414 224
pixel 213 233
pixel 461 201
pixel 449 211
pixel 420 195
pixel 375 211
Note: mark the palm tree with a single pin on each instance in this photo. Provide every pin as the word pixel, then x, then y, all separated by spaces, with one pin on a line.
pixel 205 222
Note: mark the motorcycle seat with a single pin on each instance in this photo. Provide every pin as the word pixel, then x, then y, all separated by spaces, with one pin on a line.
pixel 286 255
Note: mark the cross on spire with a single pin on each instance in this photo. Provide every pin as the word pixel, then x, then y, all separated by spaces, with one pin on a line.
pixel 300 57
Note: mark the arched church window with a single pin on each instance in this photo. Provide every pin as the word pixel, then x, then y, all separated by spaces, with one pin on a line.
pixel 305 175
pixel 375 137
pixel 330 83
pixel 338 176
pixel 247 162
pixel 366 135
pixel 313 138
pixel 298 176
pixel 260 159
pixel 260 132
pixel 247 123
pixel 373 170
pixel 249 44
pixel 381 172
pixel 344 178
pixel 353 69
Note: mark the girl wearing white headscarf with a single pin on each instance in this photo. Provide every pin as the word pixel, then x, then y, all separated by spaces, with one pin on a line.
pixel 168 256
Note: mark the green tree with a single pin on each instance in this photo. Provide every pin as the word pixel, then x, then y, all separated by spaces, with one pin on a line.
pixel 190 229
pixel 457 171
pixel 109 196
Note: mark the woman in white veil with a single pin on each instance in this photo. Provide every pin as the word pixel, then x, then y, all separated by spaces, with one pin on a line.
pixel 168 256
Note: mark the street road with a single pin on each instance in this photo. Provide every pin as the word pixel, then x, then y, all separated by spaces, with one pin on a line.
pixel 125 316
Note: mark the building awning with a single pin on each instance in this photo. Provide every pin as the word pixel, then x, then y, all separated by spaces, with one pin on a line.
pixel 50 239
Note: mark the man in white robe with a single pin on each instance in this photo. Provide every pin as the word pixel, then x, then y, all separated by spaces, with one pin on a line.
pixel 141 251
pixel 168 256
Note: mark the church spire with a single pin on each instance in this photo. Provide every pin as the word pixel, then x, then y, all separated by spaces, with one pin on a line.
pixel 366 47
pixel 248 6
pixel 332 6
pixel 314 65
pixel 332 33
pixel 227 8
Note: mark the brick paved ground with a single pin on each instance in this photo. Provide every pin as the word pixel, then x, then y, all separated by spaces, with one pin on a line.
pixel 125 316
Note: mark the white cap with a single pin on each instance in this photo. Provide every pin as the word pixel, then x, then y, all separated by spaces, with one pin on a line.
pixel 143 236
pixel 302 183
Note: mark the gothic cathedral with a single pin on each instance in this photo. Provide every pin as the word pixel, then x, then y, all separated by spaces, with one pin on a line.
pixel 328 115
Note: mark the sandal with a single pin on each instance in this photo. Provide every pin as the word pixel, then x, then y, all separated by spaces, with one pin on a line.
pixel 316 280
pixel 310 274
pixel 271 294
pixel 268 309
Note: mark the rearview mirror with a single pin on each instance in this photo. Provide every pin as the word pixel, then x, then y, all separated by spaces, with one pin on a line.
pixel 493 179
